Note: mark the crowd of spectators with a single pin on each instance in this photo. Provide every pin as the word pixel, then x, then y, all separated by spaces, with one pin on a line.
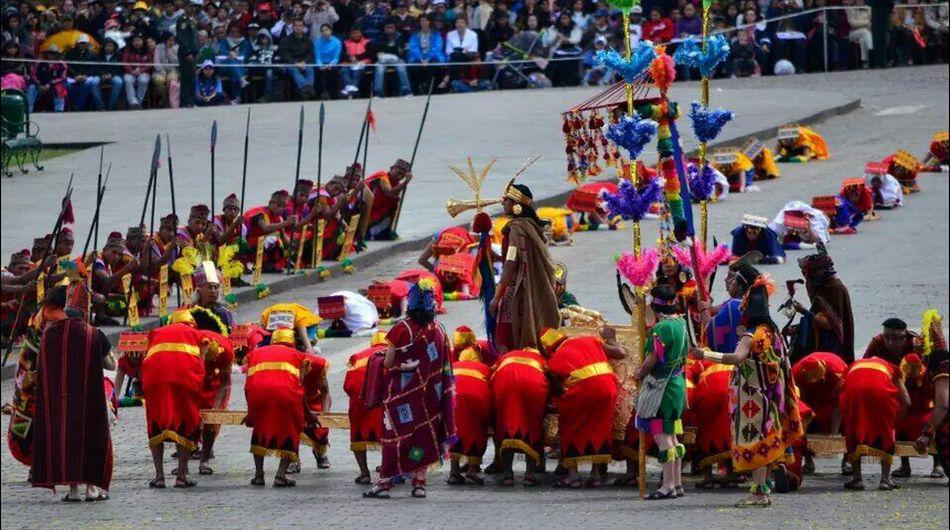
pixel 209 52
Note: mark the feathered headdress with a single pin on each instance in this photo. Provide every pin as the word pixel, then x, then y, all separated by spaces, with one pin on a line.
pixel 931 317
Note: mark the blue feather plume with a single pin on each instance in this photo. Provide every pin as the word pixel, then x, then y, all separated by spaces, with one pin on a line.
pixel 702 185
pixel 631 203
pixel 630 70
pixel 690 53
pixel 708 123
pixel 632 134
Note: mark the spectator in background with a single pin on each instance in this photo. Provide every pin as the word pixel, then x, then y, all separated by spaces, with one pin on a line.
pixel 859 20
pixel 165 79
pixel 406 23
pixel 788 40
pixel 391 51
pixel 742 57
pixel 358 52
pixel 318 15
pixel 233 51
pixel 327 48
pixel 142 22
pixel 168 17
pixel 596 73
pixel 347 11
pixel 906 25
pixel 49 78
pixel 374 16
pixel 283 27
pixel 208 89
pixel 936 17
pixel 758 36
pixel 82 78
pixel 500 31
pixel 563 39
pixel 13 73
pixel 426 47
pixel 205 50
pixel 137 72
pixel 636 26
pixel 265 17
pixel 263 52
pixel 187 39
pixel 481 16
pixel 600 27
pixel 297 49
pixel 880 30
pixel 658 29
pixel 579 15
pixel 461 46
pixel 820 36
pixel 110 75
pixel 533 7
pixel 688 25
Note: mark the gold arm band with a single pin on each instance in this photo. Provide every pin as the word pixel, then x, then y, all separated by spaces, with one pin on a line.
pixel 512 254
pixel 713 356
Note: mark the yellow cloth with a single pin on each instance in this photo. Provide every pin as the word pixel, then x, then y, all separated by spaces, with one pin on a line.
pixel 815 142
pixel 497 225
pixel 302 316
pixel 766 163
pixel 558 218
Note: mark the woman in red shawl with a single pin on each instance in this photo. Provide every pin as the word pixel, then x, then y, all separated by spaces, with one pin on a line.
pixel 419 398
pixel 366 425
pixel 275 411
pixel 871 397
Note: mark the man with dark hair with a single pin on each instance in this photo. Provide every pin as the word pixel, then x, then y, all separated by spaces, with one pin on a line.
pixel 828 325
pixel 894 342
pixel 297 49
pixel 71 444
pixel 391 51
pixel 186 35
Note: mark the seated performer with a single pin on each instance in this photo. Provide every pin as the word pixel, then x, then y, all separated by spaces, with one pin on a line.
pixel 800 144
pixel 229 225
pixel 913 420
pixel 754 234
pixel 18 289
pixel 871 396
pixel 366 424
pixel 172 376
pixel 163 249
pixel 763 160
pixel 360 316
pixel 275 412
pixel 894 342
pixel 799 226
pixel 198 229
pixel 108 295
pixel 885 189
pixel 444 243
pixel 938 154
pixel 852 205
pixel 268 222
pixel 359 200
pixel 387 188
pixel 519 387
pixel 587 395
pixel 473 417
pixel 905 168
pixel 662 397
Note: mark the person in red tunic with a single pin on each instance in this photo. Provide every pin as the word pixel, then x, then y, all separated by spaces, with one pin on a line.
pixel 172 374
pixel 894 342
pixel 467 347
pixel 710 411
pixel 317 400
pixel 275 404
pixel 519 387
pixel 819 377
pixel 473 416
pixel 216 387
pixel 366 425
pixel 911 424
pixel 871 397
pixel 71 444
pixel 387 188
pixel 587 398
pixel 444 243
pixel 268 222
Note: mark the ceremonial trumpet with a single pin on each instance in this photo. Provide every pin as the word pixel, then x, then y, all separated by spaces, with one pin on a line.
pixel 455 206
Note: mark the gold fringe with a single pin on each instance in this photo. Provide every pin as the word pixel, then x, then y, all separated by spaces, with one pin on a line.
pixel 518 445
pixel 470 460
pixel 320 448
pixel 866 450
pixel 714 459
pixel 363 446
pixel 171 436
pixel 279 453
pixel 593 459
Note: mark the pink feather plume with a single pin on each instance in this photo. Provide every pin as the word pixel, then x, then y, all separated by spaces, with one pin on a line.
pixel 639 271
pixel 707 261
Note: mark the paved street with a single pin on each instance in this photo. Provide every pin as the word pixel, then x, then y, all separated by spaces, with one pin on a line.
pixel 894 267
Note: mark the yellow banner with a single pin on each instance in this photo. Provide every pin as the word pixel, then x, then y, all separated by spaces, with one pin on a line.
pixel 317 256
pixel 187 287
pixel 40 287
pixel 350 235
pixel 162 291
pixel 258 261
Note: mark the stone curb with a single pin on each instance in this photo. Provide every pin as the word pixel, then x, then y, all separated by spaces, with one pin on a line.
pixel 303 279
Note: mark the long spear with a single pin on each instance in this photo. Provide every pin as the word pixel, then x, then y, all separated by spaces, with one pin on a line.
pixel 214 142
pixel 102 152
pixel 320 148
pixel 317 234
pixel 247 136
pixel 171 172
pixel 94 228
pixel 293 191
pixel 153 173
pixel 415 149
pixel 299 150
pixel 363 131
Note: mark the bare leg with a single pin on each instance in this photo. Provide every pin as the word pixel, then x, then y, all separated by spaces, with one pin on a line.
pixel 208 434
pixel 73 491
pixel 184 454
pixel 282 468
pixel 258 468
pixel 361 462
pixel 158 453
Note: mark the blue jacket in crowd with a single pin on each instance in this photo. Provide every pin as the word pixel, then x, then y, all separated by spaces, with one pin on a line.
pixel 436 48
pixel 327 51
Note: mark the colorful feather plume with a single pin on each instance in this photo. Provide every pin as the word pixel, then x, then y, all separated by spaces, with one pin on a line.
pixel 639 271
pixel 705 261
pixel 630 70
pixel 632 134
pixel 624 5
pixel 931 317
pixel 662 70
pixel 702 185
pixel 707 124
pixel 631 203
pixel 690 53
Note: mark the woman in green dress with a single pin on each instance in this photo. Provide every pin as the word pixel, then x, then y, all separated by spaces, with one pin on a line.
pixel 662 389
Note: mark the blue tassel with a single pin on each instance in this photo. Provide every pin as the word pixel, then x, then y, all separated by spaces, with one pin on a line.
pixel 690 53
pixel 632 134
pixel 487 293
pixel 707 124
pixel 631 203
pixel 701 185
pixel 631 70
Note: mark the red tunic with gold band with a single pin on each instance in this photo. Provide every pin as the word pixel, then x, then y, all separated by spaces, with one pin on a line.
pixel 275 395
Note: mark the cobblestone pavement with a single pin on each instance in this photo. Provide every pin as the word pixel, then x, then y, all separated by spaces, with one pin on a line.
pixel 892 267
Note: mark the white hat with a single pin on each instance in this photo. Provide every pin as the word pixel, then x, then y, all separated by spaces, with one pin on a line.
pixel 438 2
pixel 754 220
pixel 208 63
pixel 82 38
pixel 52 49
